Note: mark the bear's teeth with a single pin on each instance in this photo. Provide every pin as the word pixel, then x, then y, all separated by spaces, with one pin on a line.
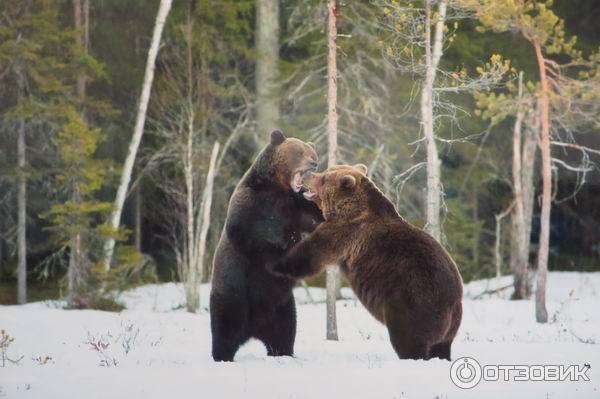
pixel 297 182
pixel 308 195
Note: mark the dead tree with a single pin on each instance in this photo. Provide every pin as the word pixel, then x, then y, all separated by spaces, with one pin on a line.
pixel 417 37
pixel 332 118
pixel 138 131
pixel 523 159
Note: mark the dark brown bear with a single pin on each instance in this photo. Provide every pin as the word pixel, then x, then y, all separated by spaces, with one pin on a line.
pixel 267 215
pixel 400 273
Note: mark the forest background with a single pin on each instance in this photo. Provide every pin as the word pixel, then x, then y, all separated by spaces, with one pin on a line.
pixel 69 95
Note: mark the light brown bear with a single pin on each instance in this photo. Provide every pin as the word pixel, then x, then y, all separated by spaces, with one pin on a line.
pixel 402 275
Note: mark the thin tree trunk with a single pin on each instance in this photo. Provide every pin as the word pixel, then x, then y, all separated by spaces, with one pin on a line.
pixel 81 16
pixel 523 242
pixel 332 270
pixel 1 245
pixel 21 215
pixel 433 54
pixel 541 314
pixel 518 261
pixel 76 265
pixel 267 68
pixel 76 274
pixel 438 40
pixel 191 263
pixel 498 242
pixel 205 210
pixel 138 219
pixel 115 219
pixel 197 234
pixel 528 163
pixel 477 235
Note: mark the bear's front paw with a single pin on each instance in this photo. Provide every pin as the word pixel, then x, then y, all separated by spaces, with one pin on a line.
pixel 278 268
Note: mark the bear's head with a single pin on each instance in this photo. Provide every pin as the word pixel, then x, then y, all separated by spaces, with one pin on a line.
pixel 342 191
pixel 292 159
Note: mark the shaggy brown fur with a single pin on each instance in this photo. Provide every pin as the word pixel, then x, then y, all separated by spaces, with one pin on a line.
pixel 401 274
pixel 267 215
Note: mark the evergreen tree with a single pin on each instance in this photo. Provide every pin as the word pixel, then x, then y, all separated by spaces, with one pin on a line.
pixel 544 31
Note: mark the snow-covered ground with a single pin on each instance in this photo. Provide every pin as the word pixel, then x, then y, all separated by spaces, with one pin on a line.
pixel 156 350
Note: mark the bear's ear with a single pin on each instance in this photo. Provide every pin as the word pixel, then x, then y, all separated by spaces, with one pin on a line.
pixel 311 144
pixel 362 168
pixel 347 181
pixel 277 137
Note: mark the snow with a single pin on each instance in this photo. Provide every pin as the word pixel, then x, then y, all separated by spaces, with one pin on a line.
pixel 160 350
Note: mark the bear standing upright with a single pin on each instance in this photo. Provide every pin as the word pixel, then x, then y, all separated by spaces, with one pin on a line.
pixel 267 215
pixel 401 274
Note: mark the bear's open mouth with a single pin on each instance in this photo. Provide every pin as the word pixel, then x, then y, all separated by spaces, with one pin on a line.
pixel 297 181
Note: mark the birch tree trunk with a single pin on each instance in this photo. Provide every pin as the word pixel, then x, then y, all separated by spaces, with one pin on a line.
pixel 332 270
pixel 115 219
pixel 433 54
pixel 21 212
pixel 541 314
pixel 267 68
pixel 191 279
pixel 198 223
pixel 205 210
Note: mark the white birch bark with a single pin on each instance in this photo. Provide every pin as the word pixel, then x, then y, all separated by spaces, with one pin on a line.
pixel 433 54
pixel 115 219
pixel 198 223
pixel 203 217
pixel 191 279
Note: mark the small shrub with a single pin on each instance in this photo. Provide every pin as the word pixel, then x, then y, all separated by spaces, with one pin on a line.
pixel 110 347
pixel 5 341
pixel 100 344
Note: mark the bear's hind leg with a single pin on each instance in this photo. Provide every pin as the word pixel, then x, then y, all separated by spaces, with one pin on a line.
pixel 406 343
pixel 279 334
pixel 441 350
pixel 229 326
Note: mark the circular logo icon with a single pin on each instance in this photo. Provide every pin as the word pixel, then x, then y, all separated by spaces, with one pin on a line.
pixel 465 372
